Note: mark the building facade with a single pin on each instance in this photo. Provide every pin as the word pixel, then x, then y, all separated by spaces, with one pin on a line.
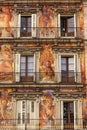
pixel 43 65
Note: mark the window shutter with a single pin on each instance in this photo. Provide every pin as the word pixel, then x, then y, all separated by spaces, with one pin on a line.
pixel 33 25
pixel 34 65
pixel 59 68
pixel 19 24
pixel 58 25
pixel 17 67
pixel 74 25
pixel 77 68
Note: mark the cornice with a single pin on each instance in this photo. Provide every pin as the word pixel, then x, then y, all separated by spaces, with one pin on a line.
pixel 26 49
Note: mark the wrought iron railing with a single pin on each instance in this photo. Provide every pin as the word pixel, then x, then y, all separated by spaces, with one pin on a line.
pixel 42 77
pixel 35 124
pixel 42 32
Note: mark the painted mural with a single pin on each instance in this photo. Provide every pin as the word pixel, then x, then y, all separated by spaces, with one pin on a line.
pixel 6 22
pixel 85 111
pixel 81 20
pixel 6 111
pixel 47 64
pixel 6 63
pixel 47 109
pixel 83 67
pixel 47 22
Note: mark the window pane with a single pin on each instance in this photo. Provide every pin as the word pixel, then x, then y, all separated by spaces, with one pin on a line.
pixel 63 60
pixel 23 23
pixel 31 59
pixel 30 65
pixel 29 24
pixel 63 67
pixel 71 63
pixel 23 59
pixel 70 24
pixel 22 66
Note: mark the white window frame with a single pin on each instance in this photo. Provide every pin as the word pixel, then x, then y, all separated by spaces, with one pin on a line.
pixel 77 112
pixel 17 66
pixel 59 26
pixel 33 25
pixel 77 70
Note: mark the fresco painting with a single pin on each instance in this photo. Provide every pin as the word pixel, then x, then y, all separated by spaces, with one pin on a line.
pixel 6 63
pixel 47 64
pixel 85 111
pixel 6 110
pixel 81 22
pixel 47 24
pixel 47 109
pixel 83 67
pixel 6 22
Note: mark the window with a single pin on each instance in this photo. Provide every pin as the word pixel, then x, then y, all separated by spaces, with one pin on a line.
pixel 27 68
pixel 25 26
pixel 67 69
pixel 32 106
pixel 67 25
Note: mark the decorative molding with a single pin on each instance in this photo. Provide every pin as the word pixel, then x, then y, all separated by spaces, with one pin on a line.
pixel 68 49
pixel 26 49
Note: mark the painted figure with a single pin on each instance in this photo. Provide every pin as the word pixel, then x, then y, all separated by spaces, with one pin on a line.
pixel 47 22
pixel 47 111
pixel 6 22
pixel 6 63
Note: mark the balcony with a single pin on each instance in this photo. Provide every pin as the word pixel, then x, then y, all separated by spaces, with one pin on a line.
pixel 42 77
pixel 33 124
pixel 39 32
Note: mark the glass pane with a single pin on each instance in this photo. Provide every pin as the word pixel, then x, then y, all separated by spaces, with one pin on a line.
pixel 23 23
pixel 23 59
pixel 30 73
pixel 30 65
pixel 71 63
pixel 71 67
pixel 22 67
pixel 63 60
pixel 29 24
pixel 71 60
pixel 70 24
pixel 63 67
pixel 30 59
pixel 30 70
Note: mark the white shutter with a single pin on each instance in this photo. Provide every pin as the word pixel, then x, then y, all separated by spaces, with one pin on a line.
pixel 19 25
pixel 59 68
pixel 19 112
pixel 17 67
pixel 77 68
pixel 33 25
pixel 74 25
pixel 34 66
pixel 58 25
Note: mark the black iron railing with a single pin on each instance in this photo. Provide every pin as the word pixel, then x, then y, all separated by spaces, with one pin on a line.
pixel 43 32
pixel 35 124
pixel 42 77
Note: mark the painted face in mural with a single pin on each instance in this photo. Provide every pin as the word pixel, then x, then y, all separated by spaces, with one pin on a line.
pixel 47 63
